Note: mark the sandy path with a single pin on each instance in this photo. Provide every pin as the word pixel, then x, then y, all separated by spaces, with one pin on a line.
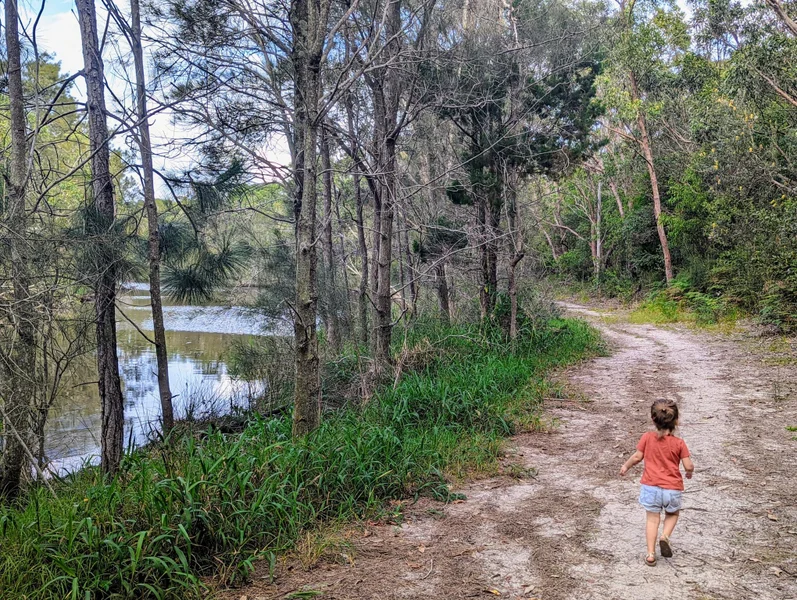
pixel 575 531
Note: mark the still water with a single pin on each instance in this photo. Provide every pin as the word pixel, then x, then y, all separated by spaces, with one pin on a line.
pixel 198 338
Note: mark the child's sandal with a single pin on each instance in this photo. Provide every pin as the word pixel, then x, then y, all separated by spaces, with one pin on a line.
pixel 664 545
pixel 649 562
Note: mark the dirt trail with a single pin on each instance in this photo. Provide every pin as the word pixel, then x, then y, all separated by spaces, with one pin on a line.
pixel 575 530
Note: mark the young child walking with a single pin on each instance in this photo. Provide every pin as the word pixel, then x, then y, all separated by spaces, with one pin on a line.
pixel 662 483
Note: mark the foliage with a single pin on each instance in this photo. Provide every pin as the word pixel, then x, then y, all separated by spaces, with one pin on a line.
pixel 718 94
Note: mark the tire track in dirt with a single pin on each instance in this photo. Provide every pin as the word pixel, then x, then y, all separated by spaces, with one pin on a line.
pixel 575 531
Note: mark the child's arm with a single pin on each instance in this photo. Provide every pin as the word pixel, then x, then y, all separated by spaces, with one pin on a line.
pixel 635 459
pixel 689 466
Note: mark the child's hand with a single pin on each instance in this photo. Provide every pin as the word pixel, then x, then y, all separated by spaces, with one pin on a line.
pixel 623 471
pixel 689 474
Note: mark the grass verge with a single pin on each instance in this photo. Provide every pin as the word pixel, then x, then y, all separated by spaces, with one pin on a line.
pixel 209 506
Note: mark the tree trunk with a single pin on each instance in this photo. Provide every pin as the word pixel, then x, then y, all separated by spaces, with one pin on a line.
pixel 598 233
pixel 481 224
pixel 413 281
pixel 388 90
pixel 442 291
pixel 489 217
pixel 346 321
pixel 112 404
pixel 616 194
pixel 384 292
pixel 647 153
pixel 309 22
pixel 518 252
pixel 153 240
pixel 331 305
pixel 362 292
pixel 19 372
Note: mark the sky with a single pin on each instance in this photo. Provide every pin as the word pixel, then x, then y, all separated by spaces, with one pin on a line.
pixel 58 33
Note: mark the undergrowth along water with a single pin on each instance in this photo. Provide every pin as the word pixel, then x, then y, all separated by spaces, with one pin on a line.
pixel 207 507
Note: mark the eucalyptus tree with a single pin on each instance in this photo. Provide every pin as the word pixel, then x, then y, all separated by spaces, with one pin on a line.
pixel 641 65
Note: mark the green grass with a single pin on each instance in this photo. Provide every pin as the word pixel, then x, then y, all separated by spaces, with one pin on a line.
pixel 208 507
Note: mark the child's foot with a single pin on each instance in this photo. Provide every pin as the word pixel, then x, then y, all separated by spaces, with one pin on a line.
pixel 664 545
pixel 650 560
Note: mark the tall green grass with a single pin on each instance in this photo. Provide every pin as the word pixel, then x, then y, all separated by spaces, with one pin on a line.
pixel 207 508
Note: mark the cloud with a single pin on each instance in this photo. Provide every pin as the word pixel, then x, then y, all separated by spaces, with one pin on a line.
pixel 59 34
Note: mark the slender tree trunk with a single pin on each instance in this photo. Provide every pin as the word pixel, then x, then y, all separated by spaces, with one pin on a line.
pixel 362 292
pixel 598 232
pixel 19 387
pixel 331 304
pixel 616 194
pixel 110 388
pixel 402 263
pixel 384 290
pixel 413 282
pixel 309 22
pixel 442 291
pixel 518 252
pixel 484 252
pixel 389 89
pixel 153 240
pixel 489 217
pixel 346 322
pixel 492 245
pixel 647 153
pixel 551 245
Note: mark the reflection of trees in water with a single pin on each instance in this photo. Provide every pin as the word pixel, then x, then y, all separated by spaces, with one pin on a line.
pixel 197 367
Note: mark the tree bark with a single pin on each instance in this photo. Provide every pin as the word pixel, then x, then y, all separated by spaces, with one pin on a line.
pixel 616 194
pixel 484 290
pixel 647 153
pixel 442 291
pixel 153 239
pixel 309 22
pixel 387 91
pixel 331 304
pixel 19 387
pixel 362 292
pixel 489 217
pixel 112 404
pixel 598 233
pixel 413 281
pixel 518 252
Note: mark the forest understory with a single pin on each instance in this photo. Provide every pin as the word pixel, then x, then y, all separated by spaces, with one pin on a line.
pixel 560 523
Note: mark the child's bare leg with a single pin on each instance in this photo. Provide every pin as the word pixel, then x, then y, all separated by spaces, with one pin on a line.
pixel 670 519
pixel 652 531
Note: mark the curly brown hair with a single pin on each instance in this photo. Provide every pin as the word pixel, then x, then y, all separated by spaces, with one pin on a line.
pixel 665 416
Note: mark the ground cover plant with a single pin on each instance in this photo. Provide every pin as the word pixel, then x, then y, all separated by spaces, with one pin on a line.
pixel 208 506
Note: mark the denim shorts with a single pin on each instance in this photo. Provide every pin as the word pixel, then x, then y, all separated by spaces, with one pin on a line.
pixel 656 499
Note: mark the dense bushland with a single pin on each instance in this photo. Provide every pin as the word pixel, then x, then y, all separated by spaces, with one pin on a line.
pixel 210 504
pixel 715 92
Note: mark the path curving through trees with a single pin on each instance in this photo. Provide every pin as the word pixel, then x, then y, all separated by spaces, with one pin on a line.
pixel 573 529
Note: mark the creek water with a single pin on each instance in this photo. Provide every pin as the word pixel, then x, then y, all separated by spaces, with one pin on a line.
pixel 198 340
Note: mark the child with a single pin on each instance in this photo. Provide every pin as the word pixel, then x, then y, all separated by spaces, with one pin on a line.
pixel 661 481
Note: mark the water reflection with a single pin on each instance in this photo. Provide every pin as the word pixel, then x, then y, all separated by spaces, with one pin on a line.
pixel 198 338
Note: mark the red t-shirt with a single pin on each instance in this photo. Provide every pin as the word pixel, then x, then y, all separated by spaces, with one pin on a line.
pixel 662 460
